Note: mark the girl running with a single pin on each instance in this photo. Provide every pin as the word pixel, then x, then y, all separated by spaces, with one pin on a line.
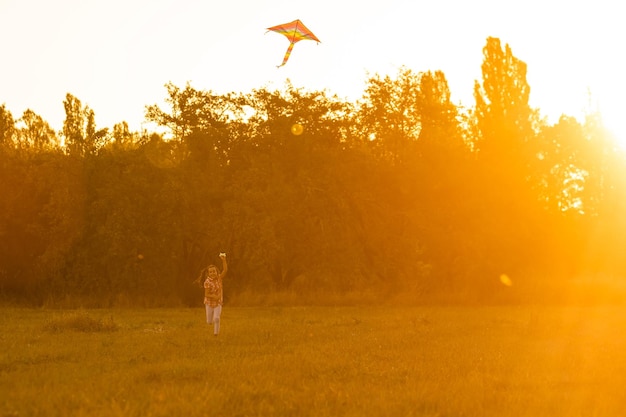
pixel 213 292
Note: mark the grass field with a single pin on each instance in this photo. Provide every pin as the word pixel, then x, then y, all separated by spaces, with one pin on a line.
pixel 315 361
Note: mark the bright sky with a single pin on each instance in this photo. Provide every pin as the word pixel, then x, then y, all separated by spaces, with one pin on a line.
pixel 117 55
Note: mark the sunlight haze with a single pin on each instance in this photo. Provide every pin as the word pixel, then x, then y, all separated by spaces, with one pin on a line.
pixel 116 56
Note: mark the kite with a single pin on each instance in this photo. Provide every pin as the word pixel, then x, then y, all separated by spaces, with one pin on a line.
pixel 294 31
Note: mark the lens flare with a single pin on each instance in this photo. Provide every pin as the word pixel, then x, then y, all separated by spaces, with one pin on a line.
pixel 297 129
pixel 505 280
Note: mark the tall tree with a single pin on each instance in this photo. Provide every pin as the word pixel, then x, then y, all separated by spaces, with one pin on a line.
pixel 507 213
pixel 79 128
pixel 7 127
pixel 74 126
pixel 503 115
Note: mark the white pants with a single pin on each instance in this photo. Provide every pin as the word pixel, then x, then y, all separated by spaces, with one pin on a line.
pixel 213 317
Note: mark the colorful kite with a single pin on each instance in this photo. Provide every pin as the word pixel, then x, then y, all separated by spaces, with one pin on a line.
pixel 294 31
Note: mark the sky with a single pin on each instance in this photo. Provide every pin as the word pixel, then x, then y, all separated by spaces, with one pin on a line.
pixel 116 56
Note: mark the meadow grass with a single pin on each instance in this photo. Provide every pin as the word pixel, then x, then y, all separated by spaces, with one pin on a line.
pixel 315 361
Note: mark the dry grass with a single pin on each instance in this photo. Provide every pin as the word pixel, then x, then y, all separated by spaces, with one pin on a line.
pixel 80 321
pixel 315 361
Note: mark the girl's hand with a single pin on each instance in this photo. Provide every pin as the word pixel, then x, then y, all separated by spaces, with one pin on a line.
pixel 222 255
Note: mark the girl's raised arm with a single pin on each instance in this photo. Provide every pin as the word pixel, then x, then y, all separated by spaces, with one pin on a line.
pixel 224 264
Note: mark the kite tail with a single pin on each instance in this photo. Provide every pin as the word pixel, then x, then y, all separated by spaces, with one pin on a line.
pixel 287 54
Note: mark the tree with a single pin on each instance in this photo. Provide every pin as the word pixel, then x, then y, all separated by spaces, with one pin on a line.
pixel 193 110
pixel 122 136
pixel 74 126
pixel 439 124
pixel 7 127
pixel 36 133
pixel 507 214
pixel 41 218
pixel 79 128
pixel 281 183
pixel 440 169
pixel 560 166
pixel 389 113
pixel 503 115
pixel 95 138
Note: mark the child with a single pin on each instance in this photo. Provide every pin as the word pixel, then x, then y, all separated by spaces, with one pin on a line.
pixel 213 292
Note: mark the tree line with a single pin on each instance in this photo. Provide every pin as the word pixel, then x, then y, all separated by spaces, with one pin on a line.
pixel 399 193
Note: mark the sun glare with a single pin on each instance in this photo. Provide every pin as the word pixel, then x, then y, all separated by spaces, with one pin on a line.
pixel 616 126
